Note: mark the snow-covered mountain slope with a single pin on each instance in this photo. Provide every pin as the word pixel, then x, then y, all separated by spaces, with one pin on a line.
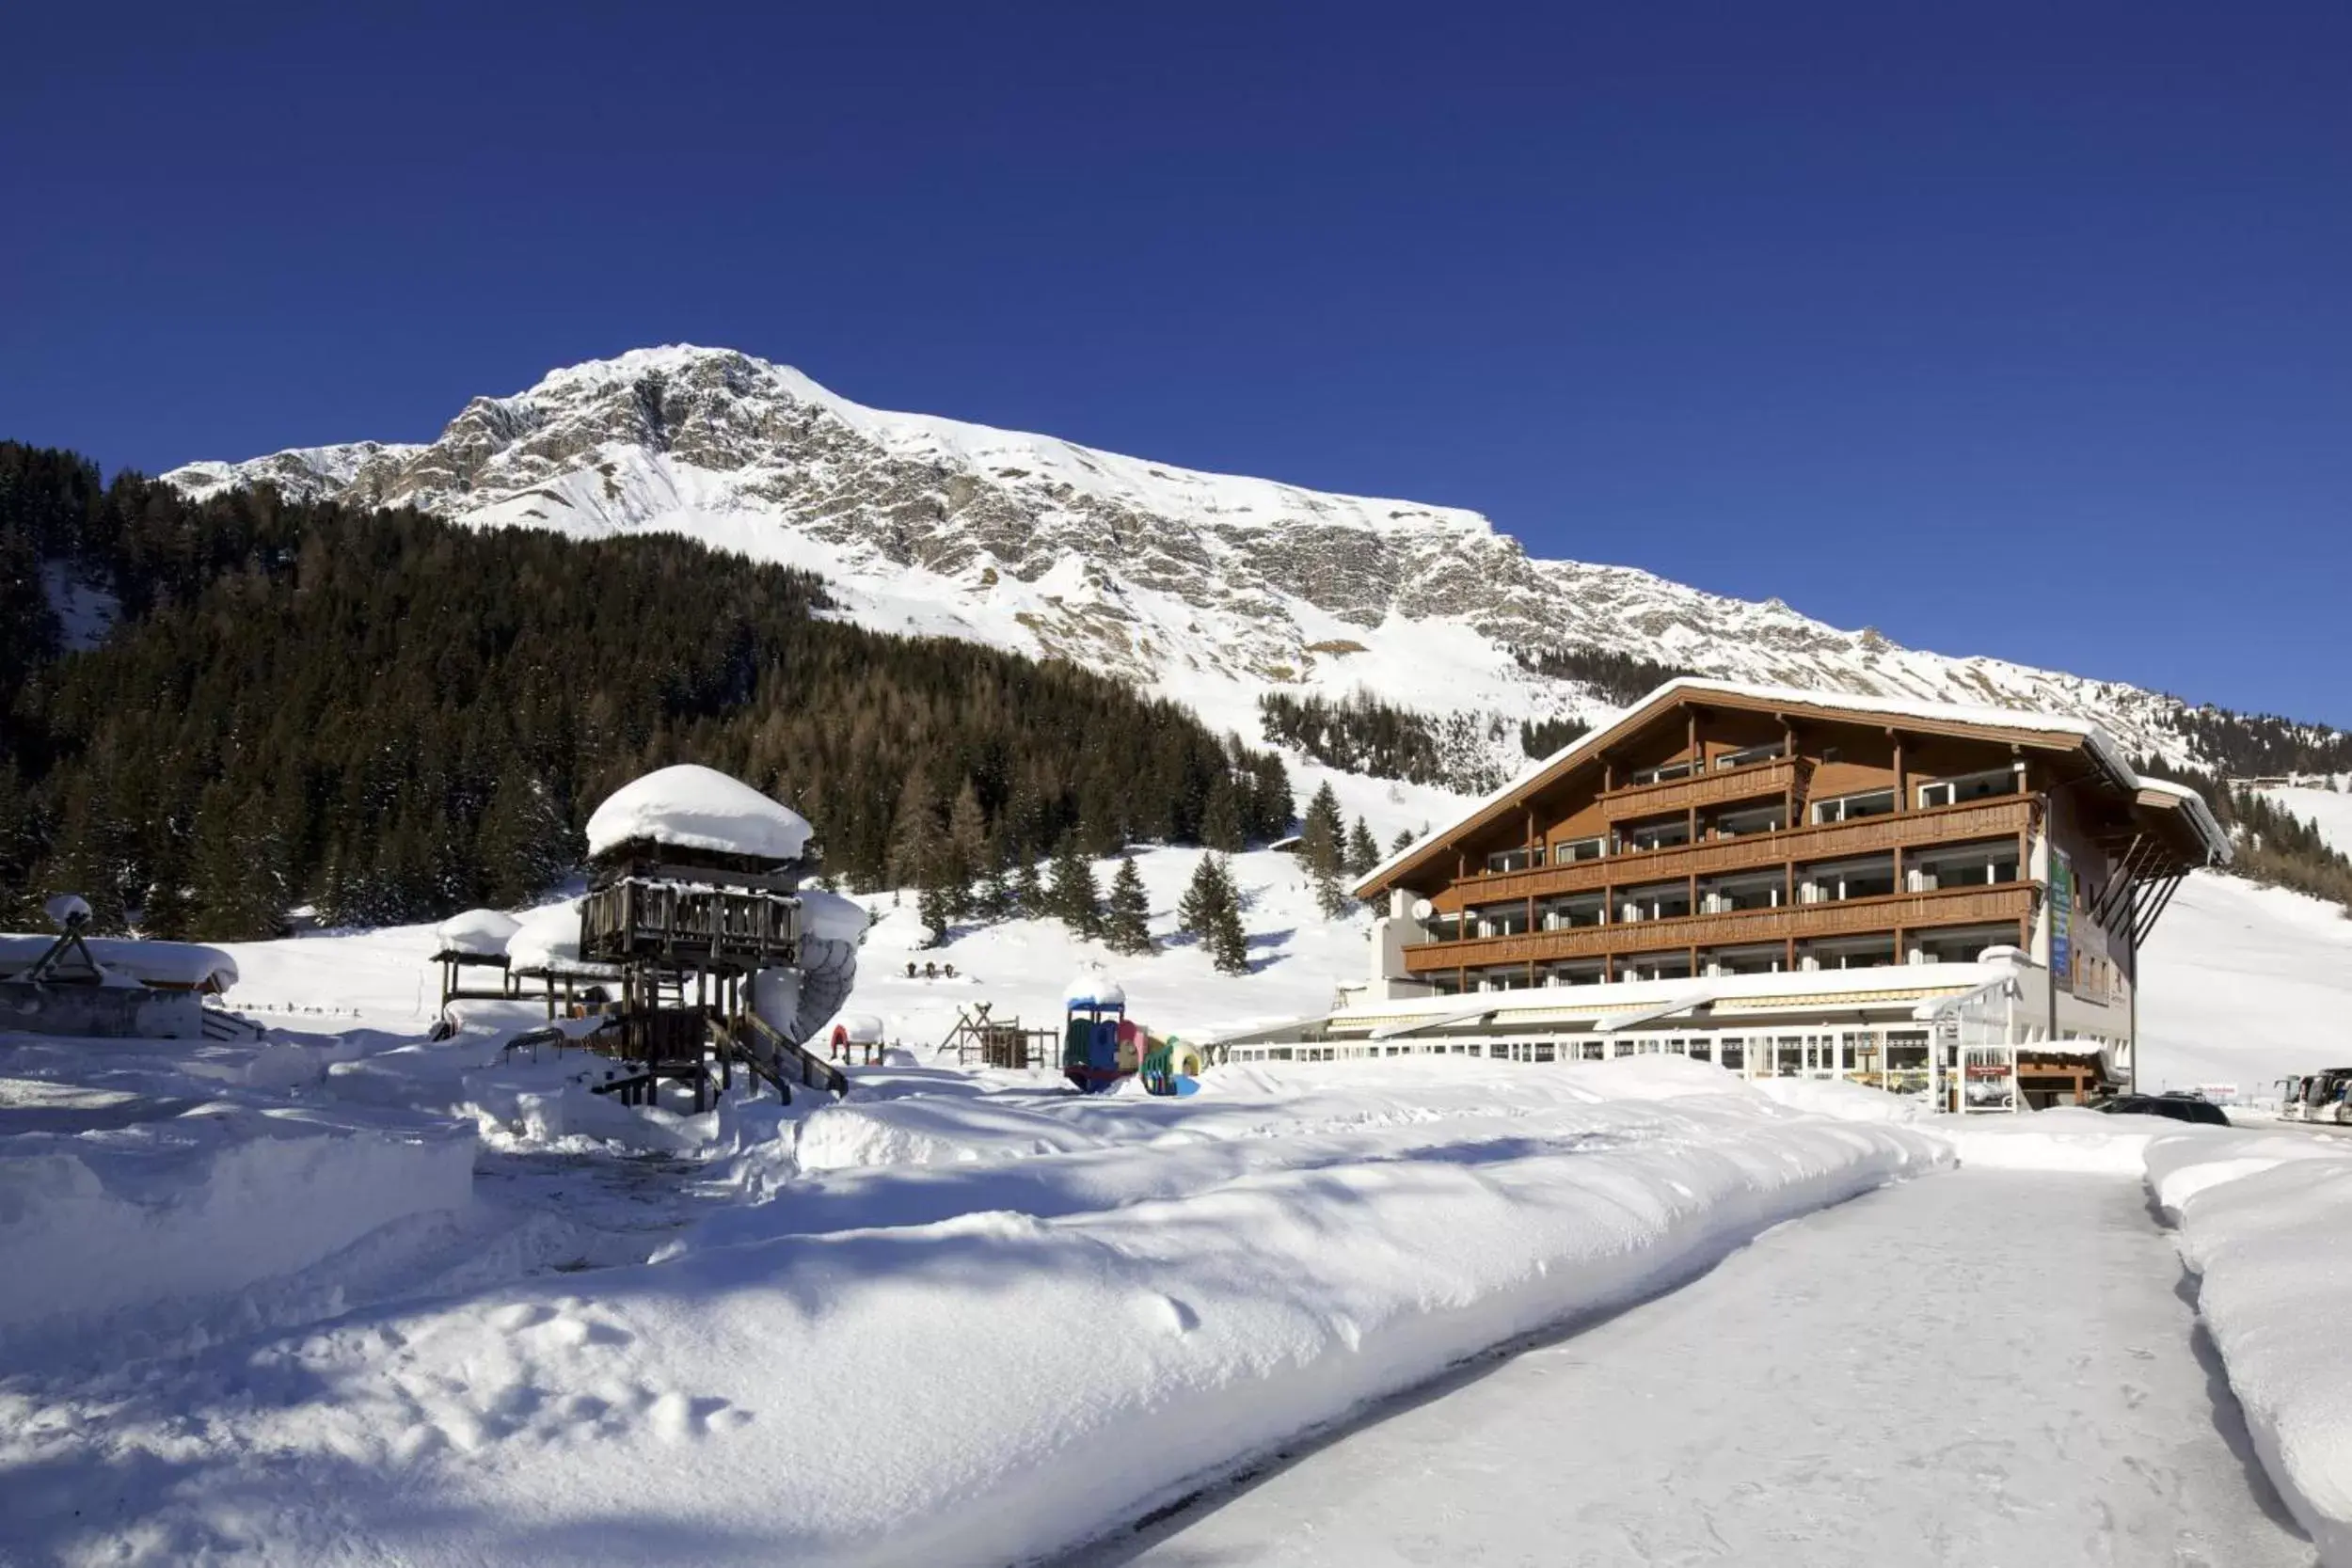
pixel 1205 587
pixel 2330 810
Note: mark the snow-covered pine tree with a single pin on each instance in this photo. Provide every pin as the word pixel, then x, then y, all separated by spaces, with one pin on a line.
pixel 1127 926
pixel 1364 852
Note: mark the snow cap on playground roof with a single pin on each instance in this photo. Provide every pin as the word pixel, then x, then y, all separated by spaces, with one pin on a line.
pixel 698 808
pixel 546 936
pixel 172 964
pixel 2105 753
pixel 1092 986
pixel 484 933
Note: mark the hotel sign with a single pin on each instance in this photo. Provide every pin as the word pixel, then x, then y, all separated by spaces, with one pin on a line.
pixel 2061 920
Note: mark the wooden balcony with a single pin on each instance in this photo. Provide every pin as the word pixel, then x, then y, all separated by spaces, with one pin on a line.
pixel 1757 781
pixel 2006 902
pixel 1714 857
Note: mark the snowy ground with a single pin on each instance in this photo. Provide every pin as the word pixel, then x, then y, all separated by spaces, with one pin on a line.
pixel 1897 1380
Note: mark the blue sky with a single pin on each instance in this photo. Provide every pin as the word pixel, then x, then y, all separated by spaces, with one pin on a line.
pixel 2011 329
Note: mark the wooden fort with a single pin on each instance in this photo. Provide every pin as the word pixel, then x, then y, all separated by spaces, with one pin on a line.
pixel 685 928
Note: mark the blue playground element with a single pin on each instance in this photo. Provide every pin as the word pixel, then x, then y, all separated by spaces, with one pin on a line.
pixel 1089 1057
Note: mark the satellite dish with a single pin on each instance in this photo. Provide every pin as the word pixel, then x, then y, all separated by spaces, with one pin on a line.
pixel 1424 909
pixel 68 911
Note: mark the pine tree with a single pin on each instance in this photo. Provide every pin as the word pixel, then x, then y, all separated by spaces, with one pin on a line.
pixel 1363 853
pixel 1211 911
pixel 1221 825
pixel 1126 926
pixel 915 837
pixel 996 896
pixel 524 846
pixel 1028 891
pixel 935 908
pixel 1402 841
pixel 965 852
pixel 1073 898
pixel 1320 833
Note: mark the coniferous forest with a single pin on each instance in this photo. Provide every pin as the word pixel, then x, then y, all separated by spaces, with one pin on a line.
pixel 389 718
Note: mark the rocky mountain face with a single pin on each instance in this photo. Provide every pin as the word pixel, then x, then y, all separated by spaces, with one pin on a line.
pixel 1209 588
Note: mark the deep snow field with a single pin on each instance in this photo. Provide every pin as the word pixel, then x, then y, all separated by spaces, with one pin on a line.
pixel 343 1295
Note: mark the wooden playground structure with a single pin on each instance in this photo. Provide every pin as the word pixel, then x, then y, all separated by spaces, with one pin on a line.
pixel 684 931
pixel 997 1042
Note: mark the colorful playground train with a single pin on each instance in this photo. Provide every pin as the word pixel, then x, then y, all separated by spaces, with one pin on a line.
pixel 1101 1044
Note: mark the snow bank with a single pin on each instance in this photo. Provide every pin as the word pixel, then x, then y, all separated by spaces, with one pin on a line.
pixel 481 932
pixel 2275 1287
pixel 982 1360
pixel 697 808
pixel 2064 1138
pixel 1094 989
pixel 200 1204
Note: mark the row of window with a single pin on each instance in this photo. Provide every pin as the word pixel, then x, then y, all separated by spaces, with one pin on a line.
pixel 1899 1055
pixel 1870 877
pixel 1747 757
pixel 1955 944
pixel 1635 838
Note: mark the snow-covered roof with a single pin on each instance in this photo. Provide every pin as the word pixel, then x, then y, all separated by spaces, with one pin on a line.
pixel 546 936
pixel 2208 826
pixel 2102 747
pixel 859 1028
pixel 1095 989
pixel 484 933
pixel 698 808
pixel 150 963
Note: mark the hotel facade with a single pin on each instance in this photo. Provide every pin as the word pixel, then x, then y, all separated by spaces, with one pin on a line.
pixel 1787 883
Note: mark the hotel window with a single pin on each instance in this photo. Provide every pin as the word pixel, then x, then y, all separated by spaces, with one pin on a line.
pixel 1511 860
pixel 1664 771
pixel 1500 920
pixel 1751 754
pixel 1654 835
pixel 1575 849
pixel 1973 786
pixel 1847 808
pixel 1732 1051
pixel 1739 824
pixel 1830 884
pixel 1969 867
pixel 1665 901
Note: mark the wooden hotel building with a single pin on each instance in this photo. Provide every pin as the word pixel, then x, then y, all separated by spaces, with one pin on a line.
pixel 1786 883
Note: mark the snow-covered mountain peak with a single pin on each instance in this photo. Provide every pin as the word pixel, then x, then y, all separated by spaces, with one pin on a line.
pixel 1208 587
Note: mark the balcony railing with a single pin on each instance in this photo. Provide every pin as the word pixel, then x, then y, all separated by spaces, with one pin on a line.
pixel 1752 782
pixel 1916 830
pixel 1962 905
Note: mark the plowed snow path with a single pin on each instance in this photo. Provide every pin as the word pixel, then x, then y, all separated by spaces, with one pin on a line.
pixel 1980 1367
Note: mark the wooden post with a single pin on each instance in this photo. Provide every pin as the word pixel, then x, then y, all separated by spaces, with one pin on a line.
pixel 1903 785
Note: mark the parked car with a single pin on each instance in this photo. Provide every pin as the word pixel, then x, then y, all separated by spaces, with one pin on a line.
pixel 2179 1107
